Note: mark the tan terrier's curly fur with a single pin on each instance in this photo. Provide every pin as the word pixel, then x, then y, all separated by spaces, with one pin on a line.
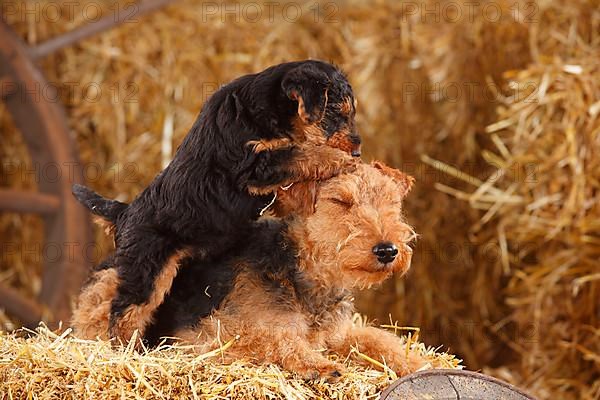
pixel 91 315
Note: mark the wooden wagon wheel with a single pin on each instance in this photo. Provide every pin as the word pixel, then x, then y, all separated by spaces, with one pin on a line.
pixel 44 127
pixel 452 384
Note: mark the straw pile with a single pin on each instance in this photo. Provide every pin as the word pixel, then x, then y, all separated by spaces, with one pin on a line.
pixel 52 365
pixel 542 211
pixel 484 269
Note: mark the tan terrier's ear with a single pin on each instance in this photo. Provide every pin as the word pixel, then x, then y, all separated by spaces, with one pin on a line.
pixel 405 181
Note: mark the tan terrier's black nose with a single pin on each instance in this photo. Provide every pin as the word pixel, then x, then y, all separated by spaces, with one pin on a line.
pixel 386 252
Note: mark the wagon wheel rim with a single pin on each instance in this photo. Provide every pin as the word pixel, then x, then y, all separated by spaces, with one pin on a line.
pixel 43 125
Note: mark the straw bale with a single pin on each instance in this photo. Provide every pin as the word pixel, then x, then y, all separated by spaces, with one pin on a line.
pixel 57 365
pixel 551 168
pixel 540 209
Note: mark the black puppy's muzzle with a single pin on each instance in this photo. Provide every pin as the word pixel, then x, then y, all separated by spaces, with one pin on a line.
pixel 356 142
pixel 385 252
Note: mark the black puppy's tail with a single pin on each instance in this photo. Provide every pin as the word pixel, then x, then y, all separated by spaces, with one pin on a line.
pixel 107 210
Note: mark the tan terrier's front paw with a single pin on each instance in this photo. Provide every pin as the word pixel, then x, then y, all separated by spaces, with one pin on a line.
pixel 329 372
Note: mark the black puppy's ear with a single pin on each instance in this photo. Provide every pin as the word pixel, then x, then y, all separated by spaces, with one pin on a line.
pixel 308 86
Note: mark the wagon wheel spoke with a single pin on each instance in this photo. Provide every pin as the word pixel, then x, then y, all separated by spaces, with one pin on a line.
pixel 7 87
pixel 66 39
pixel 28 311
pixel 24 202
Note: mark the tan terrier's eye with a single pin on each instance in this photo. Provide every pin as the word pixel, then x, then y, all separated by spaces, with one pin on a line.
pixel 341 201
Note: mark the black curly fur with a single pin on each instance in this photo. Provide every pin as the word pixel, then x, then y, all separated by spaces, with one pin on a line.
pixel 201 285
pixel 200 199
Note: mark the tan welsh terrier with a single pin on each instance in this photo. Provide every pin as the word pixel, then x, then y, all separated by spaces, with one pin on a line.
pixel 286 293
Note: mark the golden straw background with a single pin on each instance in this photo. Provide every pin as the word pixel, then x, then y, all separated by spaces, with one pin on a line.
pixel 495 111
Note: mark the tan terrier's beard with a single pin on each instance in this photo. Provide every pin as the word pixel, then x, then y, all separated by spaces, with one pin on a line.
pixel 344 257
pixel 361 269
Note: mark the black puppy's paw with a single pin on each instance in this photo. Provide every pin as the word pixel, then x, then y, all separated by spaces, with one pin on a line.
pixel 271 171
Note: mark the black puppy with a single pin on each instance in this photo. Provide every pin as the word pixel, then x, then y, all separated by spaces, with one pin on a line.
pixel 255 134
